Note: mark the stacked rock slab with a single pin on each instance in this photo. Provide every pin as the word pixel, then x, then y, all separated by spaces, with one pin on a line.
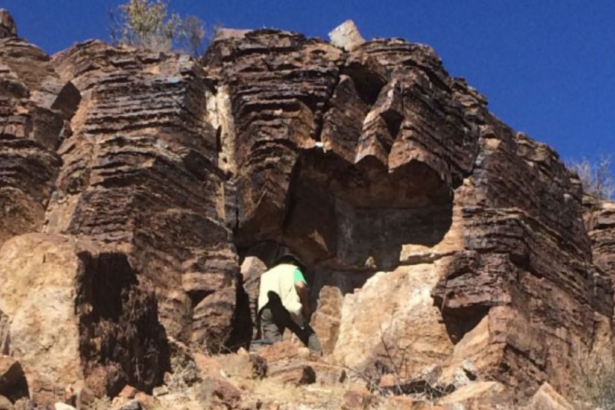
pixel 140 174
pixel 434 233
pixel 108 152
pixel 600 222
pixel 132 185
pixel 35 107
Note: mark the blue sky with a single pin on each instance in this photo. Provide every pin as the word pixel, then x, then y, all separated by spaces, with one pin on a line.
pixel 546 66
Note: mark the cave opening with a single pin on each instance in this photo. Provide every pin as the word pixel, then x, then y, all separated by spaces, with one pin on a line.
pixel 346 222
pixel 121 340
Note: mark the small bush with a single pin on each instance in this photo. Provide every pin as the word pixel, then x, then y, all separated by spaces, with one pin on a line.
pixel 150 25
pixel 596 177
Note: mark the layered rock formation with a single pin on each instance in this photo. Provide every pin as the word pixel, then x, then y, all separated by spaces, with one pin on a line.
pixel 134 184
pixel 600 222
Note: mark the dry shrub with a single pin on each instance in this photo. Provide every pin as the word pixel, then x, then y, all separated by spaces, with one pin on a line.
pixel 595 375
pixel 596 177
pixel 150 25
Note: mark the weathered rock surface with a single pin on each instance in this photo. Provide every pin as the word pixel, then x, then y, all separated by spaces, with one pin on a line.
pixel 133 186
pixel 140 173
pixel 7 25
pixel 35 106
pixel 600 221
pixel 476 396
pixel 546 398
pixel 76 313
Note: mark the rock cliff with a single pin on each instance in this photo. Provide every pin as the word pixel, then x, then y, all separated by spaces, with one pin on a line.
pixel 142 194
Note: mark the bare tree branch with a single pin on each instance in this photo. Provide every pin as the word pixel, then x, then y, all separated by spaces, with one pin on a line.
pixel 596 177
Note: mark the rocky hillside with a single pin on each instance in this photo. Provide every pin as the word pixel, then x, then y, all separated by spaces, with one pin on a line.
pixel 142 195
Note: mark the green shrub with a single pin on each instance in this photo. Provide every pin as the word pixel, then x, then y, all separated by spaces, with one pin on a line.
pixel 150 25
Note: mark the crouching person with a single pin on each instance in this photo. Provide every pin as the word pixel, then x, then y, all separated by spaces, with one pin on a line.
pixel 283 303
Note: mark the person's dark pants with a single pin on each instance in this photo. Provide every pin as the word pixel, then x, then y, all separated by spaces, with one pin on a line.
pixel 274 319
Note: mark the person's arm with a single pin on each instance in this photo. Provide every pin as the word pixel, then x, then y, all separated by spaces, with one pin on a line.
pixel 304 296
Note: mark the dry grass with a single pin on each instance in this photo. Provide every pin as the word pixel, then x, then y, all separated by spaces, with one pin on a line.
pixel 596 176
pixel 595 373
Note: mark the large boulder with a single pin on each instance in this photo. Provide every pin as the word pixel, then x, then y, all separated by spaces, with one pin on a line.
pixel 76 313
pixel 546 398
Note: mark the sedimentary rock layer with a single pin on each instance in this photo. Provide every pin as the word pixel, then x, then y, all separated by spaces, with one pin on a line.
pixel 432 234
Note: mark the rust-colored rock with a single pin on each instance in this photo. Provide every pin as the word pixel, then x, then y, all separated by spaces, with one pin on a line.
pixel 35 106
pixel 294 373
pixel 141 175
pixel 217 393
pixel 433 234
pixel 288 363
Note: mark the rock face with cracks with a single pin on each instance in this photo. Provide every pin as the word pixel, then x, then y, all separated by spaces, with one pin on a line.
pixel 142 194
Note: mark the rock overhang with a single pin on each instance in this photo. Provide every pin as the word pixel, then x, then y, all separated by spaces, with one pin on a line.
pixel 388 176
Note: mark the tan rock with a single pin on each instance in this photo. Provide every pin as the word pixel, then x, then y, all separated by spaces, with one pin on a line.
pixel 39 275
pixel 5 404
pixel 346 36
pixel 63 406
pixel 402 402
pixel 283 351
pixel 288 362
pixel 160 391
pixel 217 393
pixel 476 396
pixel 79 395
pixel 358 399
pixel 207 365
pixel 328 374
pixel 403 297
pixel 388 382
pixel 546 398
pixel 55 313
pixel 131 405
pixel 146 401
pixel 293 373
pixel 246 366
pixel 128 392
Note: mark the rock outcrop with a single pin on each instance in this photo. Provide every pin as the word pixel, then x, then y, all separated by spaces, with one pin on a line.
pixel 600 221
pixel 76 313
pixel 142 194
pixel 36 106
pixel 7 25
